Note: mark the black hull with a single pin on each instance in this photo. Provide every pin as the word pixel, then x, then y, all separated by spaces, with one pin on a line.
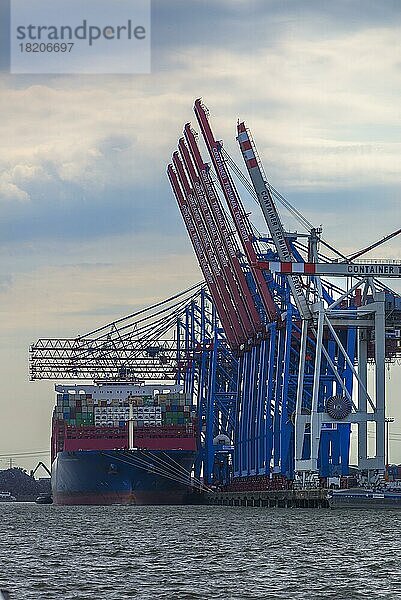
pixel 137 477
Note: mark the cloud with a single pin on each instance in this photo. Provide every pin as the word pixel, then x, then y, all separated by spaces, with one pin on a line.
pixel 318 116
pixel 17 183
pixel 68 300
pixel 9 192
pixel 96 148
pixel 243 26
pixel 319 119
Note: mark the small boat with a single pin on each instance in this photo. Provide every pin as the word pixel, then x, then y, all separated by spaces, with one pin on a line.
pixel 364 498
pixel 7 497
pixel 44 499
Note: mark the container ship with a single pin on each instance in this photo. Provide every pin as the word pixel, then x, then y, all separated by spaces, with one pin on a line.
pixel 122 443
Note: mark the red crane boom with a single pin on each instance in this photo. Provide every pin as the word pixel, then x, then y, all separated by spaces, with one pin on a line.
pixel 222 257
pixel 236 209
pixel 226 235
pixel 209 275
pixel 208 250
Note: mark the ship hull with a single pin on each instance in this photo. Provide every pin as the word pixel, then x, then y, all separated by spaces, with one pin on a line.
pixel 138 477
pixel 360 498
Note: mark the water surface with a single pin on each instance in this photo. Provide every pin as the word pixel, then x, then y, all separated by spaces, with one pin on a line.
pixel 170 553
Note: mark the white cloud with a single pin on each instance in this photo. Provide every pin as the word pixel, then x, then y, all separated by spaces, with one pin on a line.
pixel 9 192
pixel 323 112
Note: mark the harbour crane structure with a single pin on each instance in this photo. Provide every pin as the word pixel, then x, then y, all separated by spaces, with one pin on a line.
pixel 178 340
pixel 274 351
pixel 303 381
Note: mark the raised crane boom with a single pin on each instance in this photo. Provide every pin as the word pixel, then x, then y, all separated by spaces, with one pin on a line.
pixel 271 215
pixel 232 284
pixel 206 269
pixel 236 209
pixel 226 235
pixel 198 233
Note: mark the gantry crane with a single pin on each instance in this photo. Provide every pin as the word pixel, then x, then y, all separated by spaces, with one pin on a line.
pixel 311 356
pixel 273 351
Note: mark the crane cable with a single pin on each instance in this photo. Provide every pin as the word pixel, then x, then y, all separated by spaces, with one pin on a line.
pixel 303 220
pixel 249 187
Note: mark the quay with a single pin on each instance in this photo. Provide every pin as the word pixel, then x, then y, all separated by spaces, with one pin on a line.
pixel 311 498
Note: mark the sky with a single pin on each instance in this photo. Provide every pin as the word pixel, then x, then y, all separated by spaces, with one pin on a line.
pixel 89 230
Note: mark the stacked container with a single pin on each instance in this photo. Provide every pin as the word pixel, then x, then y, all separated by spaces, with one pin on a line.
pixel 111 416
pixel 145 416
pixel 176 409
pixel 78 410
pixel 75 409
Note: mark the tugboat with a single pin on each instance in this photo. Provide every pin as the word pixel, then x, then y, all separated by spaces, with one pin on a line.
pixel 364 498
pixel 7 497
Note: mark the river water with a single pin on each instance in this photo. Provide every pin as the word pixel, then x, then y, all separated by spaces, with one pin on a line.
pixel 195 552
